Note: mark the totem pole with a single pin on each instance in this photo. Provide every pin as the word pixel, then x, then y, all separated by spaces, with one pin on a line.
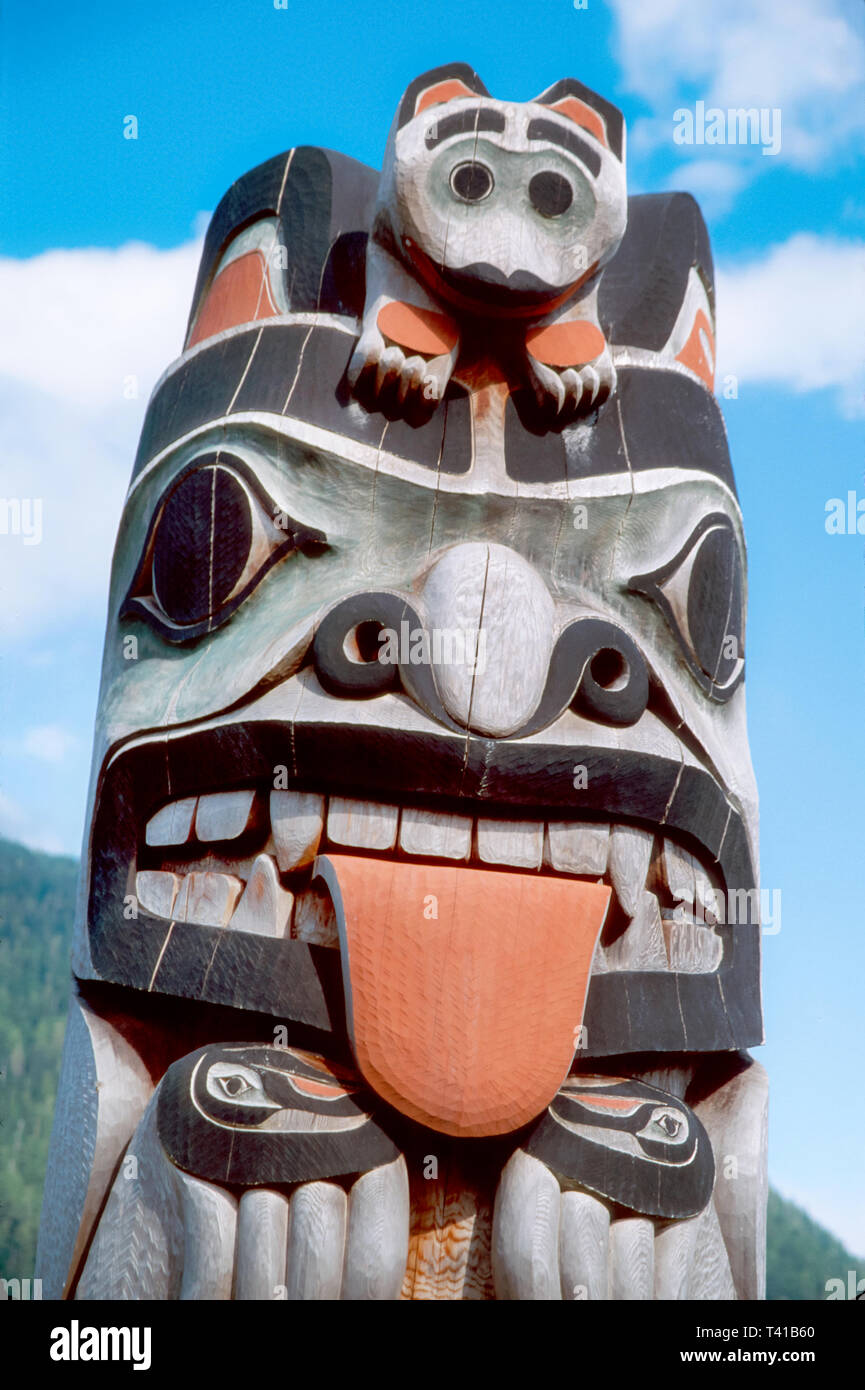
pixel 416 952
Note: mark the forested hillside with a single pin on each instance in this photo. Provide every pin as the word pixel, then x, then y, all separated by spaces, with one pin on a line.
pixel 37 895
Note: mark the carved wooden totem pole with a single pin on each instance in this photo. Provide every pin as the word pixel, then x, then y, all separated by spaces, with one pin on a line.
pixel 416 953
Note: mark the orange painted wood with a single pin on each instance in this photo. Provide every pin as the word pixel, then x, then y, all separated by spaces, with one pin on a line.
pixel 566 344
pixel 449 90
pixel 465 987
pixel 239 294
pixel 693 354
pixel 417 330
pixel 582 115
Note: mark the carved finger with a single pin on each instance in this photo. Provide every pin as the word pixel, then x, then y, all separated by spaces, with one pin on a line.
pixel 209 1233
pixel 364 358
pixel 526 1231
pixel 584 1245
pixel 674 1252
pixel 388 369
pixel 316 1242
pixel 710 1275
pixel 412 377
pixel 591 385
pixel 574 391
pixel 262 1229
pixel 378 1227
pixel 632 1259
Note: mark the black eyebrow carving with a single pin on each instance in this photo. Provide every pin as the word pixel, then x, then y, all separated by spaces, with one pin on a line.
pixel 568 139
pixel 462 122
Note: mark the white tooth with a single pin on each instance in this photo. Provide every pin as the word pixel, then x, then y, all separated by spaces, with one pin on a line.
pixel 519 842
pixel 526 1219
pixel 156 891
pixel 578 847
pixel 630 856
pixel 641 945
pixel 691 949
pixel 632 1259
pixel 365 824
pixel 207 899
pixel 584 1237
pixel 223 815
pixel 173 824
pixel 265 907
pixel 297 821
pixel 678 869
pixel 706 896
pixel 442 836
pixel 315 919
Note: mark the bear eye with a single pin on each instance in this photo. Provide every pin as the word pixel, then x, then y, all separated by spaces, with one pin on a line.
pixel 472 181
pixel 701 594
pixel 212 539
pixel 550 193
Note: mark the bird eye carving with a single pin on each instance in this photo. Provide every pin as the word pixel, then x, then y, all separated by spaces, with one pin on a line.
pixel 213 537
pixel 669 1122
pixel 701 594
pixel 234 1085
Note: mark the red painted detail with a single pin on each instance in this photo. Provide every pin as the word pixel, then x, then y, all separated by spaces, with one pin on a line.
pixel 417 330
pixel 625 1105
pixel 239 294
pixel 582 115
pixel 448 90
pixel 566 344
pixel 305 1086
pixel 465 987
pixel 693 354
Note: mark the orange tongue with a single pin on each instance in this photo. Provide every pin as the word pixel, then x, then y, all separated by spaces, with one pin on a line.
pixel 465 988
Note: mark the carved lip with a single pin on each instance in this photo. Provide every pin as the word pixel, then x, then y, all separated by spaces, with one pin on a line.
pixel 627 1011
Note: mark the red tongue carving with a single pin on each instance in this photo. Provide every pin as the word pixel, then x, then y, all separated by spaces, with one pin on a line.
pixel 465 988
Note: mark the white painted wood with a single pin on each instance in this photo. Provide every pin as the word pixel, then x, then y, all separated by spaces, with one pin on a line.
pixel 709 900
pixel 363 824
pixel 526 1220
pixel 678 871
pixel 632 1259
pixel 578 847
pixel 103 1092
pixel 674 1254
pixel 630 856
pixel 518 842
pixel 137 1250
pixel 736 1117
pixel 498 601
pixel 691 949
pixel 209 1234
pixel 710 1279
pixel 262 1233
pixel 207 899
pixel 437 836
pixel 314 919
pixel 156 891
pixel 316 1242
pixel 641 945
pixel 265 907
pixel 173 824
pixel 297 823
pixel 584 1239
pixel 223 815
pixel 376 1250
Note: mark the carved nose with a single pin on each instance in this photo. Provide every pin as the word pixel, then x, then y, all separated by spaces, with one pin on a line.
pixel 495 624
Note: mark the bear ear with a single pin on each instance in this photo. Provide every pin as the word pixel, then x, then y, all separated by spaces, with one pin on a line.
pixel 439 84
pixel 586 109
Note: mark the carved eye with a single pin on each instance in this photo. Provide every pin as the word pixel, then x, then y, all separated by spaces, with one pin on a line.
pixel 701 594
pixel 234 1085
pixel 665 1125
pixel 550 193
pixel 472 182
pixel 212 539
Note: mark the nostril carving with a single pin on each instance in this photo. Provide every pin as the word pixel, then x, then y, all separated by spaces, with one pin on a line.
pixel 362 644
pixel 550 193
pixel 609 669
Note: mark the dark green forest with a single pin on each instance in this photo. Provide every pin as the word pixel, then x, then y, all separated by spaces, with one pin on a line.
pixel 37 900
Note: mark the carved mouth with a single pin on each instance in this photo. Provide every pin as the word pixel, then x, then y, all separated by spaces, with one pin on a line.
pixel 243 860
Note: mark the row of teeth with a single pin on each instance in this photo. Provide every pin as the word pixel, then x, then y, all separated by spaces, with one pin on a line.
pixel 662 918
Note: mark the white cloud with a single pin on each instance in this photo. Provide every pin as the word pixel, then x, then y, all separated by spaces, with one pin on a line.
pixel 713 183
pixel 805 56
pixel 793 318
pixel 48 742
pixel 76 325
pixel 27 828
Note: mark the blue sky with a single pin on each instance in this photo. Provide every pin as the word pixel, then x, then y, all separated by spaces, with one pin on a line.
pixel 99 238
